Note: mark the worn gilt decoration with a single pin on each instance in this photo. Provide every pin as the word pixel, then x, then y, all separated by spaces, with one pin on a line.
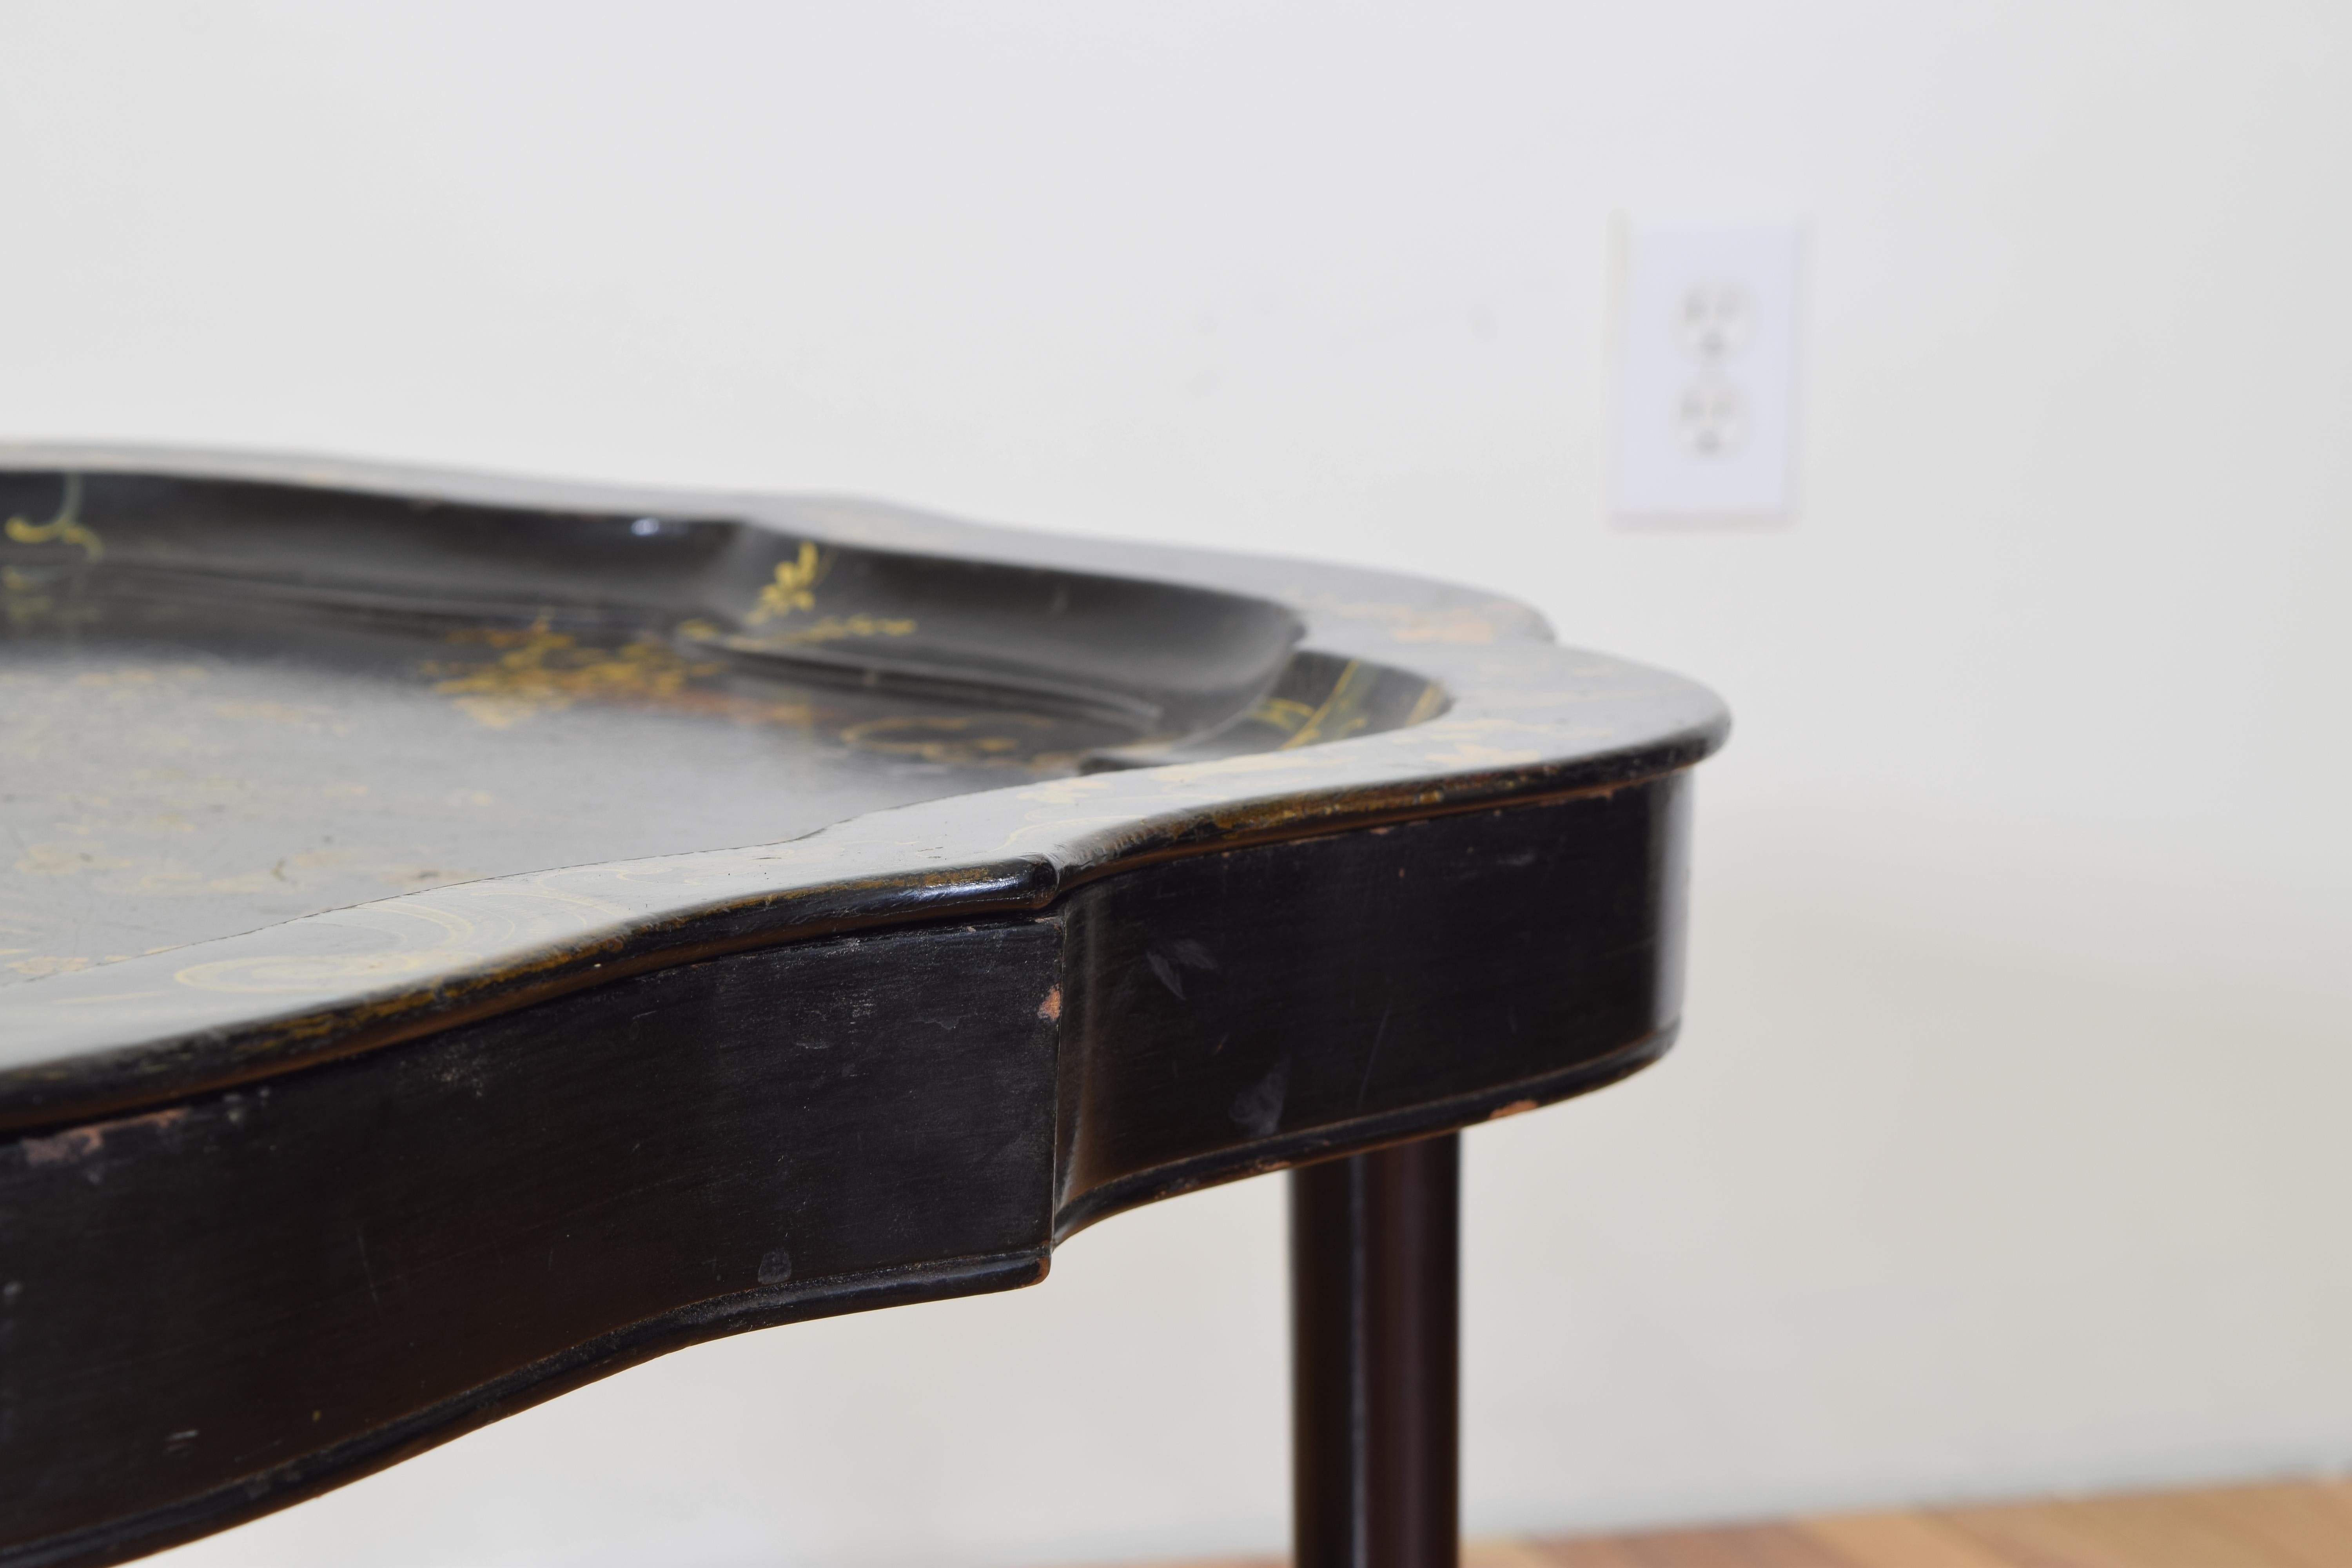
pixel 459 937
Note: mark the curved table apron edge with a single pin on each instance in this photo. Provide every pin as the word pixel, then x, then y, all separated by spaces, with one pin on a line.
pixel 1362 1135
pixel 76 1082
pixel 193 1518
pixel 769 1307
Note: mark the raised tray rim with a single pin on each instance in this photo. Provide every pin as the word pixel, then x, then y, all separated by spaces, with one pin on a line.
pixel 1529 721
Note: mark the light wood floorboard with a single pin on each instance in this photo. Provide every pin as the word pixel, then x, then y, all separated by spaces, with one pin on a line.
pixel 2296 1524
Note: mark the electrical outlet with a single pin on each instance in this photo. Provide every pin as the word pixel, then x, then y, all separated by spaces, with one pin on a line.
pixel 1706 370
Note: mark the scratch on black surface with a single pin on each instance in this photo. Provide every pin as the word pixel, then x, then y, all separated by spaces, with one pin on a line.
pixel 999 1147
pixel 1167 973
pixel 1364 1084
pixel 1257 1109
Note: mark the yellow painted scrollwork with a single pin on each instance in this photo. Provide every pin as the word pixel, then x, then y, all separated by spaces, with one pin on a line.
pixel 66 528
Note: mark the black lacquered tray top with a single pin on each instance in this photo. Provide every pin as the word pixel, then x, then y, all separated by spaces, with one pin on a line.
pixel 232 705
pixel 465 936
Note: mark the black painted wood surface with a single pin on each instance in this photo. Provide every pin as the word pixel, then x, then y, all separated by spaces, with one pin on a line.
pixel 1375 1358
pixel 983 884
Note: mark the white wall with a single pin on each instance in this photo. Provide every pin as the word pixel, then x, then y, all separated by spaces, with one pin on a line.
pixel 2004 1151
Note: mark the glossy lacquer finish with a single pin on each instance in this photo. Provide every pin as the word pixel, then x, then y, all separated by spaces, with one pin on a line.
pixel 465 936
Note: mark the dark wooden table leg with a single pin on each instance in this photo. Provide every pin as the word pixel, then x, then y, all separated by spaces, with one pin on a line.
pixel 1374 1314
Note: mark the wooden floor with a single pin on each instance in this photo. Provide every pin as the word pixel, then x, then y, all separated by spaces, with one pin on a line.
pixel 2295 1525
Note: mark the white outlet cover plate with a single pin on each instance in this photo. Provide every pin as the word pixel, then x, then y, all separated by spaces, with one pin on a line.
pixel 1706 369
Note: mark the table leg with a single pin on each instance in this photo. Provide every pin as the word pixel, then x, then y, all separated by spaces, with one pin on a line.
pixel 1374 1313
